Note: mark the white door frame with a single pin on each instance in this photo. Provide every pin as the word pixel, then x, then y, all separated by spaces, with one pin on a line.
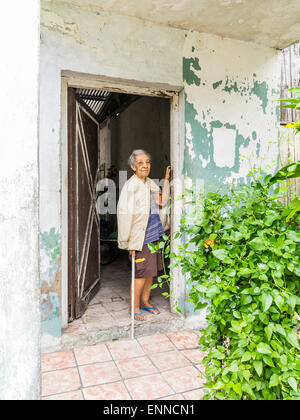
pixel 177 133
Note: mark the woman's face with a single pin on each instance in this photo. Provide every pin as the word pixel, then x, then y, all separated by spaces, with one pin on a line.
pixel 142 166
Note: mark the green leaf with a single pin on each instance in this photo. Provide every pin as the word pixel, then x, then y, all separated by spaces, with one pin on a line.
pixel 246 375
pixel 178 309
pixel 269 219
pixel 257 244
pixel 293 384
pixel 292 208
pixel 246 299
pixel 292 300
pixel 268 361
pixel 258 366
pixel 238 389
pixel 213 236
pixel 280 330
pixel 274 380
pixel 269 332
pixel 293 340
pixel 237 314
pixel 290 171
pixel 264 348
pixel 230 272
pixel 293 236
pixel 246 356
pixel 283 359
pixel 245 272
pixel 267 301
pixel 247 388
pixel 279 302
pixel 236 236
pixel 221 254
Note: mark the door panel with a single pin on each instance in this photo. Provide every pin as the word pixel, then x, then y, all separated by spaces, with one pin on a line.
pixel 84 223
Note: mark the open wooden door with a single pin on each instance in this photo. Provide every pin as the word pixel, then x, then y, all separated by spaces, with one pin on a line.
pixel 83 218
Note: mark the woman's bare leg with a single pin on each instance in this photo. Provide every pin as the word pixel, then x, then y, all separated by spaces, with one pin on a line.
pixel 145 296
pixel 138 289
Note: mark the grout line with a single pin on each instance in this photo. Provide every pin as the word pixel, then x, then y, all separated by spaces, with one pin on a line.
pixel 123 379
pixel 77 366
pixel 62 393
pixel 118 360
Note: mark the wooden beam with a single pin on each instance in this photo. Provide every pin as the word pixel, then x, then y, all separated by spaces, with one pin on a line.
pixel 103 113
pixel 86 107
pixel 92 97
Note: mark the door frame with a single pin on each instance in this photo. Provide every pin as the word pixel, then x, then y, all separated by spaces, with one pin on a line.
pixel 177 135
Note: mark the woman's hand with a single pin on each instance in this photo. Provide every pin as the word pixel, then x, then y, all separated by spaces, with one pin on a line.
pixel 168 173
pixel 132 252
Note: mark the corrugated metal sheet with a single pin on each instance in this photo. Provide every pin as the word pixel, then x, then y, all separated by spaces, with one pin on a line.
pixel 94 99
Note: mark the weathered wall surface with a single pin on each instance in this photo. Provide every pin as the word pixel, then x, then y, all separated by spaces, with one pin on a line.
pixel 230 116
pixel 97 43
pixel 19 219
pixel 230 89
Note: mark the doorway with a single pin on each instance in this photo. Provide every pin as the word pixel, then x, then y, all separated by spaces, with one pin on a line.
pixel 104 127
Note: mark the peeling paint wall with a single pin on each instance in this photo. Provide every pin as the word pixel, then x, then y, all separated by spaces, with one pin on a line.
pixel 93 42
pixel 230 114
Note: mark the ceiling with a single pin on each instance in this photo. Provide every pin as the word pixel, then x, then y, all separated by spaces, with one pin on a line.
pixel 102 104
pixel 275 23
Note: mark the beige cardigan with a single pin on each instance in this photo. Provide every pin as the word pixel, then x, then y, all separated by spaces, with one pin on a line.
pixel 133 212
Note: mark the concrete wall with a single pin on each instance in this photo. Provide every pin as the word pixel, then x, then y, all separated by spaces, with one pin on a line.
pixel 230 115
pixel 19 222
pixel 230 110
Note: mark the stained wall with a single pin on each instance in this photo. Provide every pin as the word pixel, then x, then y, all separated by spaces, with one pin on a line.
pixel 20 324
pixel 231 122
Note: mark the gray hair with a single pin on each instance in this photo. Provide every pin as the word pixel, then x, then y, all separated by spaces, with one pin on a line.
pixel 132 157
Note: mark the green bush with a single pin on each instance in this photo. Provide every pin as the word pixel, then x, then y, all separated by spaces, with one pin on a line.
pixel 242 260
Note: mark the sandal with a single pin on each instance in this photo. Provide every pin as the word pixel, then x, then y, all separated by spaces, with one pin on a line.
pixel 140 314
pixel 149 310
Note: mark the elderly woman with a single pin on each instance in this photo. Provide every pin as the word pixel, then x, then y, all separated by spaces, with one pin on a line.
pixel 139 224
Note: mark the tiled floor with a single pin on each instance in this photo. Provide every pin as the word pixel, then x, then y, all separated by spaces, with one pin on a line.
pixel 109 309
pixel 160 366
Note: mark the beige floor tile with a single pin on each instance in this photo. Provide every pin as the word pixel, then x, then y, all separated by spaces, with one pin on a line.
pixel 184 339
pixel 125 349
pixel 173 397
pixel 71 396
pixel 183 379
pixel 113 391
pixel 196 394
pixel 194 355
pixel 156 343
pixel 169 360
pixel 58 360
pixel 148 387
pixel 60 381
pixel 92 354
pixel 99 373
pixel 138 366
